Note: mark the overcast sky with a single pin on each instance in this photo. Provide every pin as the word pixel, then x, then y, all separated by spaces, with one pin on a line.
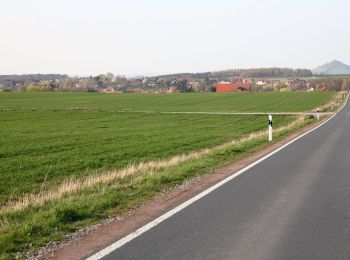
pixel 134 37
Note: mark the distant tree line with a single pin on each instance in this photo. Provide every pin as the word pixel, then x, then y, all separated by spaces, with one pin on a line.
pixel 187 82
pixel 330 83
pixel 30 78
pixel 54 82
pixel 263 73
pixel 247 73
pixel 203 75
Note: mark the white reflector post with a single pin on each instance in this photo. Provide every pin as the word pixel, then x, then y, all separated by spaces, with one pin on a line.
pixel 270 128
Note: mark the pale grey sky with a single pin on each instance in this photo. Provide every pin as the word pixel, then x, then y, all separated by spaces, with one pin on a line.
pixel 134 37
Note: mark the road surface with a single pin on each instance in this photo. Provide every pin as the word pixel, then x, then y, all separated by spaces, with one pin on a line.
pixel 293 205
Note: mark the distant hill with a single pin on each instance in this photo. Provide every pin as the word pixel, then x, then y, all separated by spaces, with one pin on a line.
pixel 31 77
pixel 332 68
pixel 11 81
pixel 248 73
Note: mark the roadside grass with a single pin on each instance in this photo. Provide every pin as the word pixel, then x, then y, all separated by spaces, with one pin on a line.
pixel 26 230
pixel 335 102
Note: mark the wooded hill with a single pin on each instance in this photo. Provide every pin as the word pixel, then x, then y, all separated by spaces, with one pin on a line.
pixel 247 73
pixel 29 78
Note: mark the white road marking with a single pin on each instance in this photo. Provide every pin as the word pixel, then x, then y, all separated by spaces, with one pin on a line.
pixel 109 249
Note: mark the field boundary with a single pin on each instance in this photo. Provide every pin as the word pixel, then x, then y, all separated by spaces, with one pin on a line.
pixel 162 112
pixel 234 113
pixel 107 250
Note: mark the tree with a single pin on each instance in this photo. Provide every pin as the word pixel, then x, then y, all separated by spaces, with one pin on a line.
pixel 100 80
pixel 182 86
pixel 276 85
pixel 109 77
pixel 345 85
pixel 87 83
pixel 66 84
pixel 22 87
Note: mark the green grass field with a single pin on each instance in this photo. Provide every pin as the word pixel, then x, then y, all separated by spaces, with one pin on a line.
pixel 200 102
pixel 52 146
pixel 47 138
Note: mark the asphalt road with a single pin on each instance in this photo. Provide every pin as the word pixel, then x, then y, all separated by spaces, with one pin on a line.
pixel 294 205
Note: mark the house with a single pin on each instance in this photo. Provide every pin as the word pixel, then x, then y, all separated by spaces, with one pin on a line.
pixel 297 84
pixel 108 90
pixel 261 82
pixel 172 90
pixel 213 80
pixel 247 81
pixel 194 83
pixel 236 80
pixel 152 83
pixel 173 82
pixel 232 87
pixel 134 90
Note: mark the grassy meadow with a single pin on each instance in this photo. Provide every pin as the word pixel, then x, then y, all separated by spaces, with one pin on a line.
pixel 50 138
pixel 191 102
pixel 40 148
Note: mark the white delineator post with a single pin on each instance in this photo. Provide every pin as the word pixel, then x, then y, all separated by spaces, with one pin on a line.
pixel 270 128
pixel 318 114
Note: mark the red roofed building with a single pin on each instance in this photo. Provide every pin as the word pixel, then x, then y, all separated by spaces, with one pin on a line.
pixel 232 87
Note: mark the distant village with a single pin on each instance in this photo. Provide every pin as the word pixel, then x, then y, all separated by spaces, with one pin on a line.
pixel 179 83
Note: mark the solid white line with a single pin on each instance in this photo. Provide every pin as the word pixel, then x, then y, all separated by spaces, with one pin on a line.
pixel 106 251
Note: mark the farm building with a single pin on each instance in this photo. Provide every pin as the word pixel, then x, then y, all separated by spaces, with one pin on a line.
pixel 232 87
pixel 108 90
pixel 297 84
